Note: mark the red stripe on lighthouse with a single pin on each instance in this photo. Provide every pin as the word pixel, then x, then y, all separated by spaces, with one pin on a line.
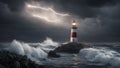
pixel 74 34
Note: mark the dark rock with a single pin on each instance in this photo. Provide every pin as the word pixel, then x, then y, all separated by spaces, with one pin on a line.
pixel 1 66
pixel 41 66
pixel 92 66
pixel 12 60
pixel 16 64
pixel 70 48
pixel 53 54
pixel 24 62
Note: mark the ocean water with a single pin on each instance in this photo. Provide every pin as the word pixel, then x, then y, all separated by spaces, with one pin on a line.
pixel 102 55
pixel 34 51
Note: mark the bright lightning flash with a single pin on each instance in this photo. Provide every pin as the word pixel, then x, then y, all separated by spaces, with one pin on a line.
pixel 45 13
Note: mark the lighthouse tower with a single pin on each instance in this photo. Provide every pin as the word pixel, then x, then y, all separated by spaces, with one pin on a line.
pixel 73 36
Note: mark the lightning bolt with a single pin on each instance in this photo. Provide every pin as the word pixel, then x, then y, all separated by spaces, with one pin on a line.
pixel 45 13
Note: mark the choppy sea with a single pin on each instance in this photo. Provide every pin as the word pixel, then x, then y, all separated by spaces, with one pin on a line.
pixel 101 55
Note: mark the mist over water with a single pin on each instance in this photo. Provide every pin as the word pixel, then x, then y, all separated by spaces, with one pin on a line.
pixel 34 51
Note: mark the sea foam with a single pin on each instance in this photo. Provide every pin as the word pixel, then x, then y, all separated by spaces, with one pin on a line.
pixel 100 56
pixel 33 53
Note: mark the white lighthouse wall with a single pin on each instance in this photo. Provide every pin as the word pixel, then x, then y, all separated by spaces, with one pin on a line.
pixel 72 39
pixel 73 30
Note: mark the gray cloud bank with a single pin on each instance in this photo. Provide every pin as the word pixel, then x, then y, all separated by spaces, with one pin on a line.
pixel 99 21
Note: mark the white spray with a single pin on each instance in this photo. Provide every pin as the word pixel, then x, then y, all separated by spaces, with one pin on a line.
pixel 34 53
pixel 100 56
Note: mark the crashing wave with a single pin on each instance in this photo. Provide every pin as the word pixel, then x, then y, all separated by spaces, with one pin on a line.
pixel 34 53
pixel 100 56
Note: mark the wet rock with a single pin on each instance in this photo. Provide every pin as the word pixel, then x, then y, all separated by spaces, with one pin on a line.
pixel 16 64
pixel 53 54
pixel 70 48
pixel 24 62
pixel 1 66
pixel 12 60
pixel 92 66
pixel 40 66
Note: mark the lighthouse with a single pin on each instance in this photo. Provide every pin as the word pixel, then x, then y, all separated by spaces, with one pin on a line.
pixel 73 36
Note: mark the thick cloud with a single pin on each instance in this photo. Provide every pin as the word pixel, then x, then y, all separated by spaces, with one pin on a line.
pixel 14 5
pixel 98 21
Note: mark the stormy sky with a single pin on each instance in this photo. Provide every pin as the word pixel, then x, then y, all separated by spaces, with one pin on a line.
pixel 34 20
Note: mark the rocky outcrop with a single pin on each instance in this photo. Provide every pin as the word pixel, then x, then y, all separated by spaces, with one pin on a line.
pixel 70 48
pixel 53 54
pixel 12 60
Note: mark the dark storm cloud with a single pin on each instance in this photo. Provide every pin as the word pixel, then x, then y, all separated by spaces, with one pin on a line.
pixel 101 18
pixel 83 8
pixel 107 11
pixel 14 5
pixel 15 26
